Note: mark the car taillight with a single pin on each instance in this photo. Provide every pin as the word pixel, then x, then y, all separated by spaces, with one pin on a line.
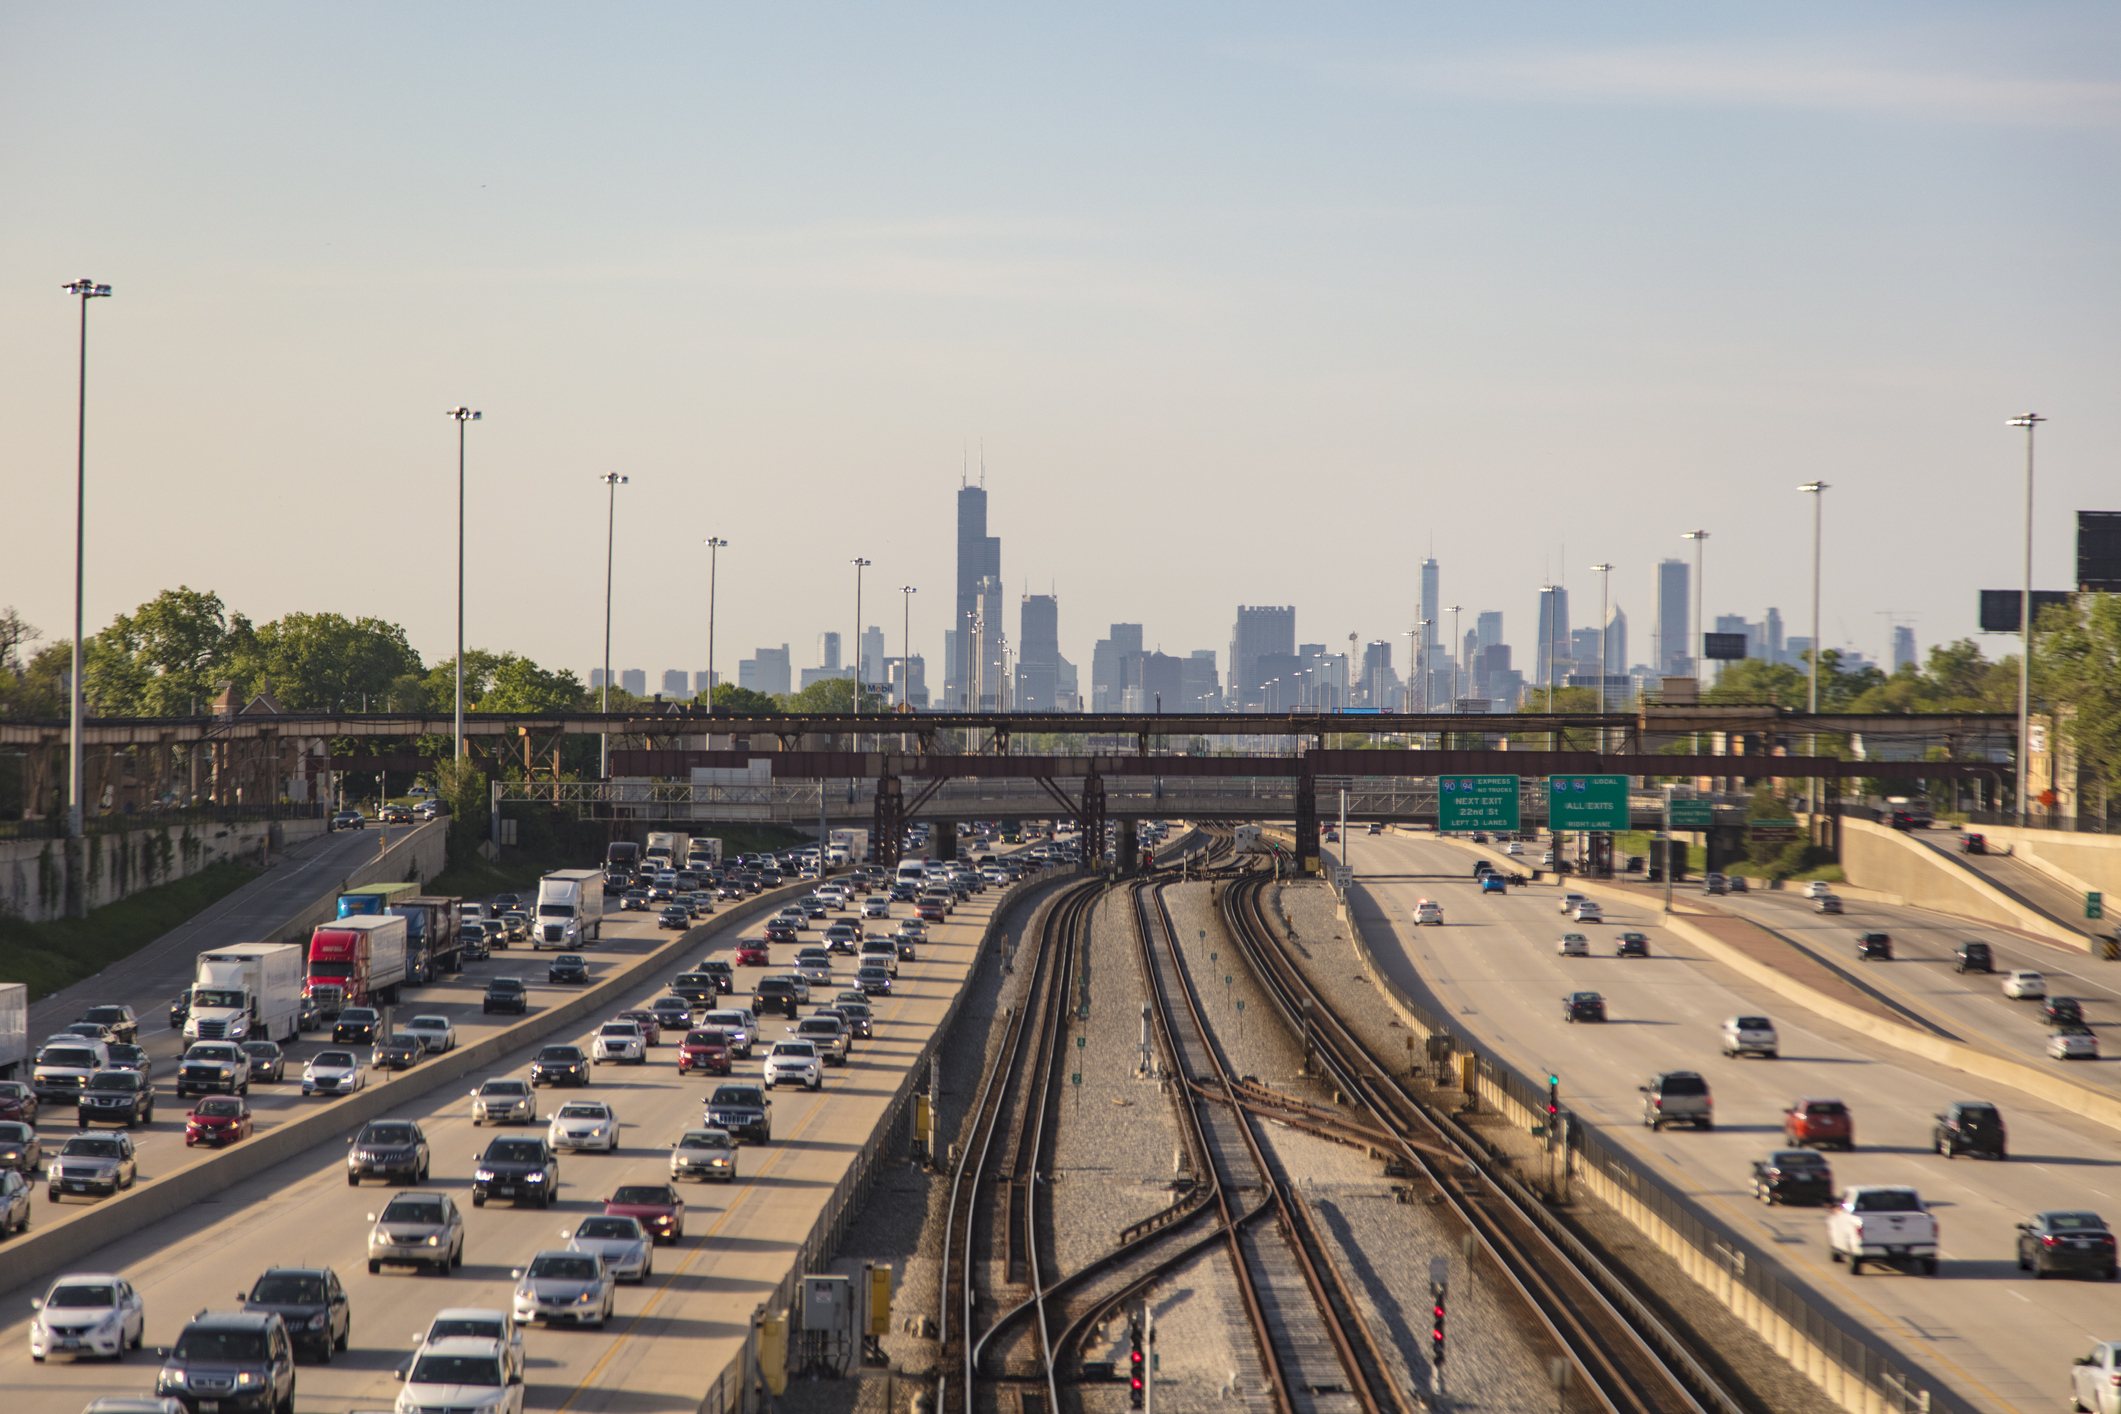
pixel 2047 1240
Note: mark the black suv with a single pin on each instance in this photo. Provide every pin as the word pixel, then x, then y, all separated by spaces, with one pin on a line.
pixel 118 1097
pixel 505 994
pixel 567 967
pixel 1973 957
pixel 746 1111
pixel 312 1303
pixel 124 1026
pixel 240 1362
pixel 388 1149
pixel 356 1025
pixel 560 1065
pixel 1971 1127
pixel 774 994
pixel 1874 947
pixel 520 1168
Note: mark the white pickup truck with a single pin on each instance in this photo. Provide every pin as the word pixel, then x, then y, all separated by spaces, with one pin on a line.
pixel 1877 1223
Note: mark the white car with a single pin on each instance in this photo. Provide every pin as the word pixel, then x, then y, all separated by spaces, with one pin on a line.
pixel 794 1063
pixel 478 1322
pixel 628 1253
pixel 1547 858
pixel 814 965
pixel 1750 1035
pixel 504 1102
pixel 1818 888
pixel 2095 1382
pixel 2078 1043
pixel 878 907
pixel 333 1073
pixel 584 1124
pixel 1587 912
pixel 87 1314
pixel 436 1033
pixel 1573 945
pixel 1513 848
pixel 619 1041
pixel 1569 902
pixel 742 1026
pixel 1428 911
pixel 2024 985
pixel 464 1372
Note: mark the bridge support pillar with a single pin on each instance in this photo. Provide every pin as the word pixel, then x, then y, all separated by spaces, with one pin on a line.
pixel 1307 823
pixel 945 840
pixel 1126 853
pixel 1091 822
pixel 888 825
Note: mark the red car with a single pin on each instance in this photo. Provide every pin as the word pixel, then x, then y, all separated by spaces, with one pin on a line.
pixel 18 1102
pixel 1819 1123
pixel 929 911
pixel 704 1049
pixel 657 1205
pixel 651 1025
pixel 751 952
pixel 218 1119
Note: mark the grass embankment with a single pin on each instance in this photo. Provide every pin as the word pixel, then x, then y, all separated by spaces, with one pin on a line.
pixel 54 955
pixel 1697 861
pixel 518 871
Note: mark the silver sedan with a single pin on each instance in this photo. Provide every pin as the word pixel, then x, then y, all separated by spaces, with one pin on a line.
pixel 622 1243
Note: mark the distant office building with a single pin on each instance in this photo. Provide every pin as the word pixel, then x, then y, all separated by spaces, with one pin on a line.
pixel 1772 626
pixel 1585 649
pixel 1039 665
pixel 634 680
pixel 1674 648
pixel 767 671
pixel 993 646
pixel 596 678
pixel 1494 660
pixel 1261 631
pixel 1201 685
pixel 1281 681
pixel 1108 666
pixel 1506 689
pixel 1798 648
pixel 1548 664
pixel 1155 683
pixel 828 652
pixel 703 685
pixel 1753 633
pixel 1379 687
pixel 1904 647
pixel 1431 607
pixel 872 654
pixel 908 680
pixel 979 558
pixel 674 683
pixel 1489 627
pixel 1616 642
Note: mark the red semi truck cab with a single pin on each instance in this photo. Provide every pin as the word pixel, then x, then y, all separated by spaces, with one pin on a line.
pixel 338 969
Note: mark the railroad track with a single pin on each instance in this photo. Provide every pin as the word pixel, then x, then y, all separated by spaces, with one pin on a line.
pixel 1631 1360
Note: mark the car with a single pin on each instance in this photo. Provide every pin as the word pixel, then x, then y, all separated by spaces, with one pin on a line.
pixel 393 1150
pixel 480 1375
pixel 860 1020
pixel 574 1287
pixel 815 965
pixel 1427 911
pixel 1494 883
pixel 218 1120
pixel 904 943
pixel 1677 1097
pixel 1818 888
pixel 1737 884
pixel 676 916
pixel 238 1362
pixel 705 1049
pixel 515 925
pixel 1513 848
pixel 723 974
pixel 619 1041
pixel 473 943
pixel 17 1202
pixel 878 952
pixel 311 1301
pixel 584 1124
pixel 179 1009
pixel 1750 1036
pixel 116 1097
pixel 695 989
pixel 2073 1040
pixel 1582 1006
pixel 842 938
pixel 794 1063
pixel 1587 912
pixel 651 1025
pixel 333 1073
pixel 522 1169
pixel 504 1100
pixel 20 1148
pixel 751 952
pixel 2095 1379
pixel 502 903
pixel 623 1244
pixel 873 980
pixel 567 967
pixel 876 907
pixel 1632 945
pixel 930 910
pixel 744 1111
pixel 346 820
pixel 399 1050
pixel 86 1030
pixel 1970 1127
pixel 1826 903
pixel 1973 957
pixel 420 1229
pixel 671 1014
pixel 795 916
pixel 775 994
pixel 18 1102
pixel 1793 1177
pixel 1715 884
pixel 396 815
pixel 707 1155
pixel 2069 1242
pixel 119 1021
pixel 1874 947
pixel 2023 984
pixel 1818 1123
pixel 357 1025
pixel 781 930
pixel 211 1067
pixel 1570 900
pixel 560 1065
pixel 435 1033
pixel 478 1322
pixel 267 1061
pixel 658 1207
pixel 2061 1009
pixel 92 1165
pixel 87 1315
pixel 125 1057
pixel 828 1034
pixel 634 901
pixel 506 994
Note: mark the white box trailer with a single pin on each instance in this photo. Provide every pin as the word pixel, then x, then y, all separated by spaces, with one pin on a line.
pixel 705 849
pixel 665 851
pixel 570 909
pixel 14 1027
pixel 247 992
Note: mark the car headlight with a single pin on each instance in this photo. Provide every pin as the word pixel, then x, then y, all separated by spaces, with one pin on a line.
pixel 434 1241
pixel 173 1378
pixel 535 1178
pixel 484 1175
pixel 246 1378
pixel 319 1321
pixel 583 1299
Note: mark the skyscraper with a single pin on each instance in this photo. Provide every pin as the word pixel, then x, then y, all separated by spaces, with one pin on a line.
pixel 1038 654
pixel 1261 630
pixel 634 680
pixel 1548 668
pixel 872 654
pixel 1108 666
pixel 979 556
pixel 1489 628
pixel 828 651
pixel 1431 608
pixel 1200 685
pixel 1674 648
pixel 1904 647
pixel 1379 685
pixel 674 680
pixel 994 639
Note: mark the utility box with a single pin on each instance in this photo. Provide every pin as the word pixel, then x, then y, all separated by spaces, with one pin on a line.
pixel 877 1315
pixel 828 1305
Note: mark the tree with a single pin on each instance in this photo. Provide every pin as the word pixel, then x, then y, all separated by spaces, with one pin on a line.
pixel 439 688
pixel 2078 670
pixel 464 788
pixel 1757 680
pixel 744 701
pixel 323 662
pixel 165 659
pixel 829 696
pixel 519 685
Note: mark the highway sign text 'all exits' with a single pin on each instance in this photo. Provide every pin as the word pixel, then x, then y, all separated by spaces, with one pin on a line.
pixel 1587 802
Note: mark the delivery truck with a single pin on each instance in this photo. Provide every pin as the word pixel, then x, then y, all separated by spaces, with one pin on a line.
pixel 247 992
pixel 14 1029
pixel 847 847
pixel 357 961
pixel 570 910
pixel 374 898
pixel 666 851
pixel 704 852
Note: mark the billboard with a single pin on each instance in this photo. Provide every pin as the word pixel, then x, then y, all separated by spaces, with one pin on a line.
pixel 2099 551
pixel 1723 647
pixel 1999 607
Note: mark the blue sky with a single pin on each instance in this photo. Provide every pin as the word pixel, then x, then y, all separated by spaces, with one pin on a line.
pixel 1246 304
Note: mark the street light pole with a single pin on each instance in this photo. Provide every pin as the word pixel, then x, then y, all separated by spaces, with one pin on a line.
pixel 1701 642
pixel 76 710
pixel 1817 491
pixel 860 564
pixel 1458 653
pixel 613 481
pixel 2030 422
pixel 714 545
pixel 462 416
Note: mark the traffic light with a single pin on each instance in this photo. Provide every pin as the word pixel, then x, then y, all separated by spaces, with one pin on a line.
pixel 1137 1363
pixel 1436 1296
pixel 1553 1101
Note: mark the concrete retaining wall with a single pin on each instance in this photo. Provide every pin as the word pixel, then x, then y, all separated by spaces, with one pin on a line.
pixel 411 856
pixel 34 873
pixel 2077 862
pixel 1896 869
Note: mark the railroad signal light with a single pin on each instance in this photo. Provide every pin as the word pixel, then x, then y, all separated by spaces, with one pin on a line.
pixel 1553 1099
pixel 1137 1366
pixel 1437 1291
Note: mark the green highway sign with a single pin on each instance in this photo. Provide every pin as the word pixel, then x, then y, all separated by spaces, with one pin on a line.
pixel 1689 815
pixel 1476 803
pixel 1587 802
pixel 2094 904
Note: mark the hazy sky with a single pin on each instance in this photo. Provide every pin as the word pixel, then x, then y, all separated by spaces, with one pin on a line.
pixel 1248 304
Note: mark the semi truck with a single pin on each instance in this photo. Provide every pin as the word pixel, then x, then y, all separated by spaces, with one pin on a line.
pixel 847 847
pixel 14 1028
pixel 705 851
pixel 430 935
pixel 247 992
pixel 570 910
pixel 357 961
pixel 624 853
pixel 666 851
pixel 374 898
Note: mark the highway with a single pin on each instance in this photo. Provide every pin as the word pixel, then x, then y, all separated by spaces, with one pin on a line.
pixel 739 1239
pixel 2000 1338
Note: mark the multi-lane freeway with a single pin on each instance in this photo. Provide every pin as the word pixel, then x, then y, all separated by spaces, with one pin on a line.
pixel 1983 1328
pixel 672 1333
